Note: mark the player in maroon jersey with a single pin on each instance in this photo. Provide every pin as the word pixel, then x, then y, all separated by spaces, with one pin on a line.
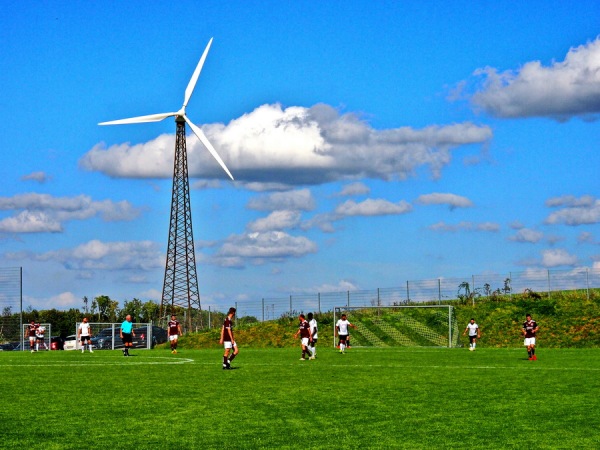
pixel 228 340
pixel 529 330
pixel 30 333
pixel 174 331
pixel 305 336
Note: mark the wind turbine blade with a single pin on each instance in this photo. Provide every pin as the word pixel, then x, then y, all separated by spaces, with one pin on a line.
pixel 140 119
pixel 192 84
pixel 198 132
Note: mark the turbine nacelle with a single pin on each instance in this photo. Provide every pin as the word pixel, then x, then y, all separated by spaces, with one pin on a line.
pixel 181 114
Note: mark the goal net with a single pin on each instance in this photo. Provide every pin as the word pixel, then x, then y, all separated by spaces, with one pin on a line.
pixel 400 326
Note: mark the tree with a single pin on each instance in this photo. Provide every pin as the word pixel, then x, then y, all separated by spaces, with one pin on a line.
pixel 107 308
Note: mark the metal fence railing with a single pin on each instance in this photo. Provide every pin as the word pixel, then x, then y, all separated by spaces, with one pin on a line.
pixel 439 290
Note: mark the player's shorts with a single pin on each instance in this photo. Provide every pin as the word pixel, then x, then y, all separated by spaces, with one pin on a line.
pixel 39 338
pixel 173 337
pixel 85 338
pixel 529 341
pixel 31 338
pixel 227 344
pixel 472 339
pixel 127 338
pixel 304 341
pixel 314 342
pixel 343 337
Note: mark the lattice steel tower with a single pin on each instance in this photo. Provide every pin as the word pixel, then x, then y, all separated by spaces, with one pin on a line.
pixel 180 288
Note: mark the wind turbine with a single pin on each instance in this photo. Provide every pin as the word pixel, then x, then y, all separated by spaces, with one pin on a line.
pixel 180 287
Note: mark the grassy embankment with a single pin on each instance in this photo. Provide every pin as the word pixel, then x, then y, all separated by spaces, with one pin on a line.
pixel 567 319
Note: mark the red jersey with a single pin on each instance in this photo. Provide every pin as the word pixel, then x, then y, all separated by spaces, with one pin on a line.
pixel 304 329
pixel 529 326
pixel 31 329
pixel 227 335
pixel 173 326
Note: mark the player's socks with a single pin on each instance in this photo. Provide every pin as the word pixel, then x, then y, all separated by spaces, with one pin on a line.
pixel 233 355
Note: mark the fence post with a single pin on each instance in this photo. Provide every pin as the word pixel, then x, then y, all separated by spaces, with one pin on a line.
pixel 209 323
pixel 348 298
pixel 587 283
pixel 407 293
pixel 319 301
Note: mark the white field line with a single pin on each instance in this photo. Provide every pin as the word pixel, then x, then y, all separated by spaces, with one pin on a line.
pixel 101 362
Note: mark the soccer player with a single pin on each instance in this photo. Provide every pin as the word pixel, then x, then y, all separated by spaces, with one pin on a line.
pixel 227 340
pixel 305 337
pixel 314 331
pixel 85 335
pixel 39 337
pixel 530 328
pixel 341 330
pixel 474 334
pixel 30 333
pixel 174 331
pixel 127 334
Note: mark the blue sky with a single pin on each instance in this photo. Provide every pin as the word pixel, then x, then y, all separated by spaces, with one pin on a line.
pixel 371 143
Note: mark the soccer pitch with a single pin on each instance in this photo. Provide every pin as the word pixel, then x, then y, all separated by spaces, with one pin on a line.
pixel 366 398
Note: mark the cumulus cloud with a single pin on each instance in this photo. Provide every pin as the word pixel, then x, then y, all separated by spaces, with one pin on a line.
pixel 299 200
pixel 527 235
pixel 261 248
pixel 452 200
pixel 40 177
pixel 577 211
pixel 558 257
pixel 352 189
pixel 294 146
pixel 562 90
pixel 98 255
pixel 372 207
pixel 44 213
pixel 465 226
pixel 277 220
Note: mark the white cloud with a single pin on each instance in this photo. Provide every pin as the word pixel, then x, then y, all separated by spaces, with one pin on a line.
pixel 260 248
pixel 527 235
pixel 300 200
pixel 561 90
pixel 62 301
pixel 354 189
pixel 452 200
pixel 465 226
pixel 45 213
pixel 582 211
pixel 294 146
pixel 277 220
pixel 98 255
pixel 558 257
pixel 372 207
pixel 40 177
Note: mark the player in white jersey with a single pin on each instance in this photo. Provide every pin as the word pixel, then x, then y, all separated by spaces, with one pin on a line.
pixel 314 329
pixel 474 334
pixel 84 333
pixel 341 330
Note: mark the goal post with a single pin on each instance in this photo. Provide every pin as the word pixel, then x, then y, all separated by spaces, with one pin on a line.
pixel 400 326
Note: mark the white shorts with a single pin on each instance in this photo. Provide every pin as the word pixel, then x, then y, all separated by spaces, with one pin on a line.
pixel 31 338
pixel 173 337
pixel 228 344
pixel 529 341
pixel 305 341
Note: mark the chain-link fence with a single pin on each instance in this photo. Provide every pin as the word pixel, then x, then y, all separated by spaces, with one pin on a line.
pixel 438 290
pixel 11 320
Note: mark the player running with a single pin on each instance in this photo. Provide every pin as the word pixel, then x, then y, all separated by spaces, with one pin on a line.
pixel 314 330
pixel 341 330
pixel 530 328
pixel 174 331
pixel 474 334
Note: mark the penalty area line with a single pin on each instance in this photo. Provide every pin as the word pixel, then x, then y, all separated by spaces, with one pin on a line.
pixel 103 362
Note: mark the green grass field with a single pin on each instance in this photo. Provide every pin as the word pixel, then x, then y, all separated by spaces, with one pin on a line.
pixel 394 398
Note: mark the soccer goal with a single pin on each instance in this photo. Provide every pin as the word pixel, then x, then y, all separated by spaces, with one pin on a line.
pixel 400 326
